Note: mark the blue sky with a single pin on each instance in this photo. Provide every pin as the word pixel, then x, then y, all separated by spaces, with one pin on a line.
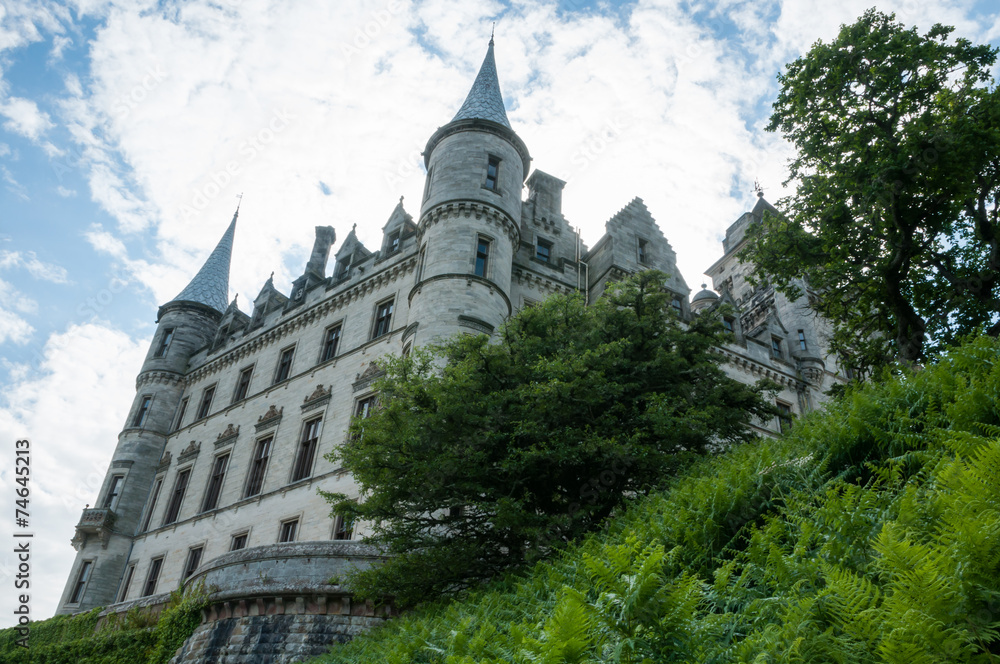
pixel 118 121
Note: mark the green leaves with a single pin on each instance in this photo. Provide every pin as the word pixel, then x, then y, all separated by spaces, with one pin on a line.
pixel 485 456
pixel 893 223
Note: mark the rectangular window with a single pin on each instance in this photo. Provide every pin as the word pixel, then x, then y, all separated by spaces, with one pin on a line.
pixel 784 417
pixel 776 348
pixel 288 528
pixel 193 561
pixel 168 335
pixel 343 528
pixel 239 542
pixel 727 324
pixel 543 250
pixel 675 304
pixel 284 365
pixel 111 499
pixel 152 576
pixel 258 466
pixel 802 340
pixel 330 343
pixel 427 184
pixel 128 582
pixel 140 415
pixel 152 504
pixel 180 413
pixel 177 496
pixel 393 244
pixel 206 402
pixel 643 255
pixel 493 174
pixel 482 257
pixel 243 384
pixel 307 450
pixel 383 319
pixel 215 483
pixel 365 407
pixel 81 581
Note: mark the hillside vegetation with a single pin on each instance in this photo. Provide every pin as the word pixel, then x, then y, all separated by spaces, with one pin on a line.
pixel 870 533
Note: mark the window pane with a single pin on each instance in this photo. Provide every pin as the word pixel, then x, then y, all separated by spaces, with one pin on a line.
pixel 258 467
pixel 215 483
pixel 152 576
pixel 177 497
pixel 81 582
pixel 330 343
pixel 482 257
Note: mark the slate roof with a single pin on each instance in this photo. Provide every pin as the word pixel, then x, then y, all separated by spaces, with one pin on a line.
pixel 211 285
pixel 484 101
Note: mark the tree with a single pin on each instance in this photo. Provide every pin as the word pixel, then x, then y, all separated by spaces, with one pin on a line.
pixel 894 221
pixel 487 454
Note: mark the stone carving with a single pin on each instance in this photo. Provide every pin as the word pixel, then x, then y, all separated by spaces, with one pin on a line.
pixel 189 451
pixel 271 413
pixel 230 431
pixel 318 393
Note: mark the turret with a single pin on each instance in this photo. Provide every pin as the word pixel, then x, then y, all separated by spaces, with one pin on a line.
pixel 470 217
pixel 104 535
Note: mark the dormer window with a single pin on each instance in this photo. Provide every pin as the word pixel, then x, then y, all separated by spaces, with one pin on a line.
pixel 493 174
pixel 392 246
pixel 776 348
pixel 643 251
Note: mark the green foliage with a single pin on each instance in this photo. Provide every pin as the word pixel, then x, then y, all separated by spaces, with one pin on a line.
pixel 135 636
pixel 894 222
pixel 870 533
pixel 483 456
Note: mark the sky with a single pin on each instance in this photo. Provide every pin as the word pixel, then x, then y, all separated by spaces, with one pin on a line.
pixel 129 129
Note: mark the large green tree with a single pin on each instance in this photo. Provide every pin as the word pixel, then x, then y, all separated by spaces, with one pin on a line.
pixel 487 454
pixel 894 220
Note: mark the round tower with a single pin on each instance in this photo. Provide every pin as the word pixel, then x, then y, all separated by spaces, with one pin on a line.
pixel 470 216
pixel 104 534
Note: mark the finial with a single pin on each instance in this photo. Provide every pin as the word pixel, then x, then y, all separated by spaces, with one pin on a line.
pixel 354 227
pixel 400 200
pixel 704 286
pixel 240 200
pixel 272 275
pixel 492 31
pixel 757 188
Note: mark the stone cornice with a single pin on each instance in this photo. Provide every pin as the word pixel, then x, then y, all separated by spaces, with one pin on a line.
pixel 759 370
pixel 469 280
pixel 541 282
pixel 458 208
pixel 168 377
pixel 303 319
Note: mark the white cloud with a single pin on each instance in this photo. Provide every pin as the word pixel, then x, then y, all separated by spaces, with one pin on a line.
pixel 35 267
pixel 64 192
pixel 24 117
pixel 70 405
pixel 13 186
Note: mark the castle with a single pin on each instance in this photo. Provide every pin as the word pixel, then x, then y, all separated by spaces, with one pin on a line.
pixel 216 470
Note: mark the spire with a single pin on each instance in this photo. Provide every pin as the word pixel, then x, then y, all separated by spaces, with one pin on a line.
pixel 484 101
pixel 211 285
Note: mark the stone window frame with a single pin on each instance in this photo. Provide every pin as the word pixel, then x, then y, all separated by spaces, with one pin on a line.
pixel 492 161
pixel 487 256
pixel 548 245
pixel 239 393
pixel 142 413
pixel 181 412
pixel 165 340
pixel 777 349
pixel 113 492
pixel 393 242
pixel 245 534
pixel 154 496
pixel 269 440
pixel 427 184
pixel 288 351
pixel 227 455
pixel 310 446
pixel 642 250
pixel 295 522
pixel 155 564
pixel 339 529
pixel 83 576
pixel 205 405
pixel 382 323
pixel 339 327
pixel 803 344
pixel 784 416
pixel 126 582
pixel 167 521
pixel 186 571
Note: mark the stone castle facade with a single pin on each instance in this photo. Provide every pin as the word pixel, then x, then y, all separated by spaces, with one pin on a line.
pixel 216 471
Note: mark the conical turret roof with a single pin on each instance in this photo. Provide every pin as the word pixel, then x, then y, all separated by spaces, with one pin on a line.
pixel 484 101
pixel 211 285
